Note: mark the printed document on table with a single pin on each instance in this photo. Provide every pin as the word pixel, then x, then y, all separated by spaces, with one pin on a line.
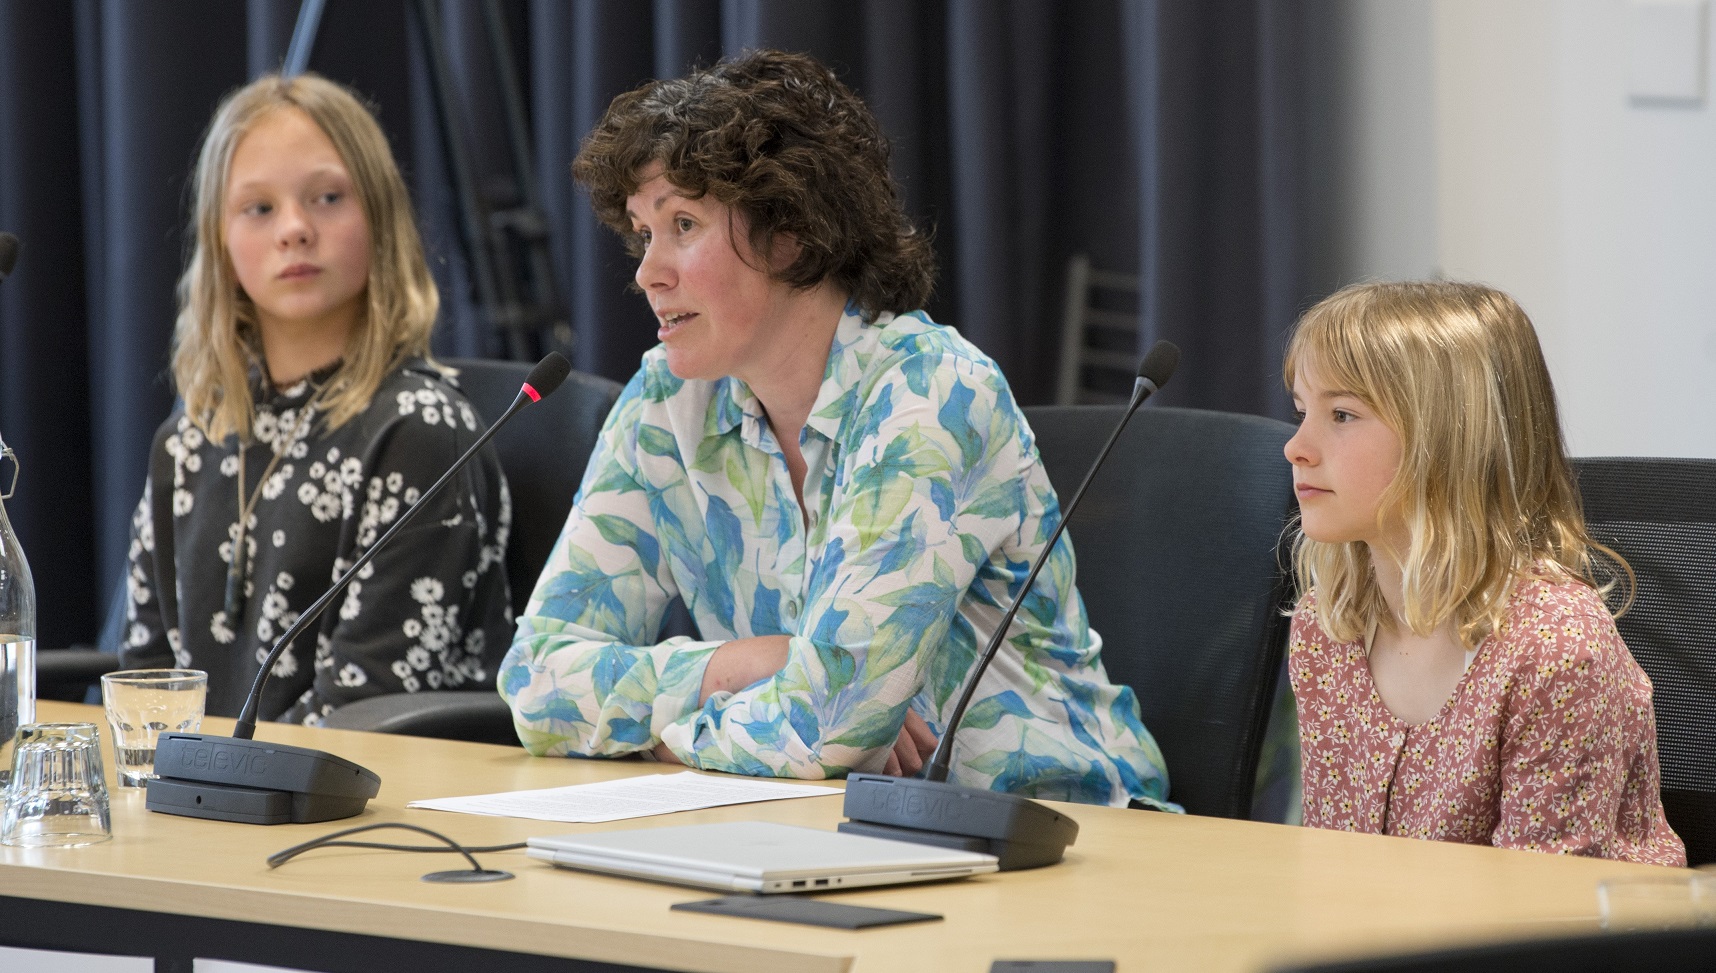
pixel 54 961
pixel 630 797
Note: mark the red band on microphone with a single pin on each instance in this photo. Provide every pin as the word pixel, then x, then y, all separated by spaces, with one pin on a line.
pixel 535 396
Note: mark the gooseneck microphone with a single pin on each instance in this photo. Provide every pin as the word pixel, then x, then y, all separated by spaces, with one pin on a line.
pixel 8 254
pixel 1158 366
pixel 239 779
pixel 928 810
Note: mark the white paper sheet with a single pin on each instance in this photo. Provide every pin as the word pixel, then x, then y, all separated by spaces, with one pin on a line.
pixel 13 958
pixel 200 965
pixel 631 797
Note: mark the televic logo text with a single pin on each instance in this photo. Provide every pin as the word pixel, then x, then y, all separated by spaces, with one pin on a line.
pixel 249 763
pixel 898 800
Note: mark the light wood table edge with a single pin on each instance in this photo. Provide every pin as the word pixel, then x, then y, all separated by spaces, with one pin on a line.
pixel 1324 881
pixel 472 928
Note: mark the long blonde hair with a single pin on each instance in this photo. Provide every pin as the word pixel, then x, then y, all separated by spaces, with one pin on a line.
pixel 1484 488
pixel 216 339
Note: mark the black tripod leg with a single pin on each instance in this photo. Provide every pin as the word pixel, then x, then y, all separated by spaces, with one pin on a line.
pixel 303 38
pixel 472 215
pixel 528 223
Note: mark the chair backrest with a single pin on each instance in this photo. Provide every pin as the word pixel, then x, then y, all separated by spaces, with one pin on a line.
pixel 1100 324
pixel 543 453
pixel 1177 543
pixel 1660 514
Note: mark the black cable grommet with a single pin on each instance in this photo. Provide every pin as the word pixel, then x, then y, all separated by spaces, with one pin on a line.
pixel 464 875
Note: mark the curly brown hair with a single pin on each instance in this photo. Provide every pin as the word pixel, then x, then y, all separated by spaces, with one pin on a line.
pixel 780 139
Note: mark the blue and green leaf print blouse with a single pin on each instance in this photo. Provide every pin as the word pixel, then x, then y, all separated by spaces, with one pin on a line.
pixel 925 505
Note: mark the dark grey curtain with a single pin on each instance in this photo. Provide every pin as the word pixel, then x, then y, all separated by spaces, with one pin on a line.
pixel 1157 135
pixel 1215 99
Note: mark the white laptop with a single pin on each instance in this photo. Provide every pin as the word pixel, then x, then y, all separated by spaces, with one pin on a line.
pixel 757 856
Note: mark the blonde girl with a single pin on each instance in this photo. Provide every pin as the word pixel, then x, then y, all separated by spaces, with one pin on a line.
pixel 310 418
pixel 1457 672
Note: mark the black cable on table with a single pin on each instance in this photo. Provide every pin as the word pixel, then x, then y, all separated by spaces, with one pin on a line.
pixel 476 873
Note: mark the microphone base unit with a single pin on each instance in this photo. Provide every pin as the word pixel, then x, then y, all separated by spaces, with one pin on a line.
pixel 1020 832
pixel 254 782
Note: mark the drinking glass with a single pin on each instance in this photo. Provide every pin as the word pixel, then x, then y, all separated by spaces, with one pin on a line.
pixel 1677 901
pixel 141 705
pixel 58 794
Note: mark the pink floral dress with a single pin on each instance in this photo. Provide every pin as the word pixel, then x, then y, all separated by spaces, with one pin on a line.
pixel 1548 742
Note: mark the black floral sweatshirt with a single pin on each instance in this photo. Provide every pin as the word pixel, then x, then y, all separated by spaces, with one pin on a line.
pixel 429 612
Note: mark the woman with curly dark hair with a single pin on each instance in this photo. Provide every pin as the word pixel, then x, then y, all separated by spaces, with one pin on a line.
pixel 843 492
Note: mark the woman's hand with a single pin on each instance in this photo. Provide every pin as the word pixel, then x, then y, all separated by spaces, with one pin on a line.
pixel 733 666
pixel 743 662
pixel 913 746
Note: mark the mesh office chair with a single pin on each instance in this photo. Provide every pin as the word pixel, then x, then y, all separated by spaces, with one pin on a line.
pixel 72 674
pixel 543 453
pixel 1177 543
pixel 1660 514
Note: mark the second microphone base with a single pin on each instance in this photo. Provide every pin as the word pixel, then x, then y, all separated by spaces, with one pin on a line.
pixel 1018 831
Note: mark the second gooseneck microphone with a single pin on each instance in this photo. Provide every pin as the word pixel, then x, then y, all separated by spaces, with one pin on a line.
pixel 1153 373
pixel 928 810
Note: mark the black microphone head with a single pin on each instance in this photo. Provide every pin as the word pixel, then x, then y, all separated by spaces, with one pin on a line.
pixel 548 374
pixel 8 253
pixel 1159 363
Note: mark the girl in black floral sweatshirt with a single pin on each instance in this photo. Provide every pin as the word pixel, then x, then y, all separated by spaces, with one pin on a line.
pixel 311 418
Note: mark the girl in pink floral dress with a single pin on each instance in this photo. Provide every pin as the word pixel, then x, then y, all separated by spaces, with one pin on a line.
pixel 1457 672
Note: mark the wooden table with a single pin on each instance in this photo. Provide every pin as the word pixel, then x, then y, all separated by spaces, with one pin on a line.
pixel 1150 891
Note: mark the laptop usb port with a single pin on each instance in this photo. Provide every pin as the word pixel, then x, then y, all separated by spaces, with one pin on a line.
pixel 798 883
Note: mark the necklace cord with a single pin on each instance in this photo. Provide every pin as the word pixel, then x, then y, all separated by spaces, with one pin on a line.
pixel 238 567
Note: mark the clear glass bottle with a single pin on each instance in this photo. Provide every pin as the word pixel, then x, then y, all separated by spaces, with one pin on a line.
pixel 17 629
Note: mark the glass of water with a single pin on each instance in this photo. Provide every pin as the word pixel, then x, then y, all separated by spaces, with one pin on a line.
pixel 17 696
pixel 1679 899
pixel 141 705
pixel 58 796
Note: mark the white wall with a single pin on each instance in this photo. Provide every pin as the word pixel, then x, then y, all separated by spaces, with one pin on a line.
pixel 1495 140
pixel 1382 185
